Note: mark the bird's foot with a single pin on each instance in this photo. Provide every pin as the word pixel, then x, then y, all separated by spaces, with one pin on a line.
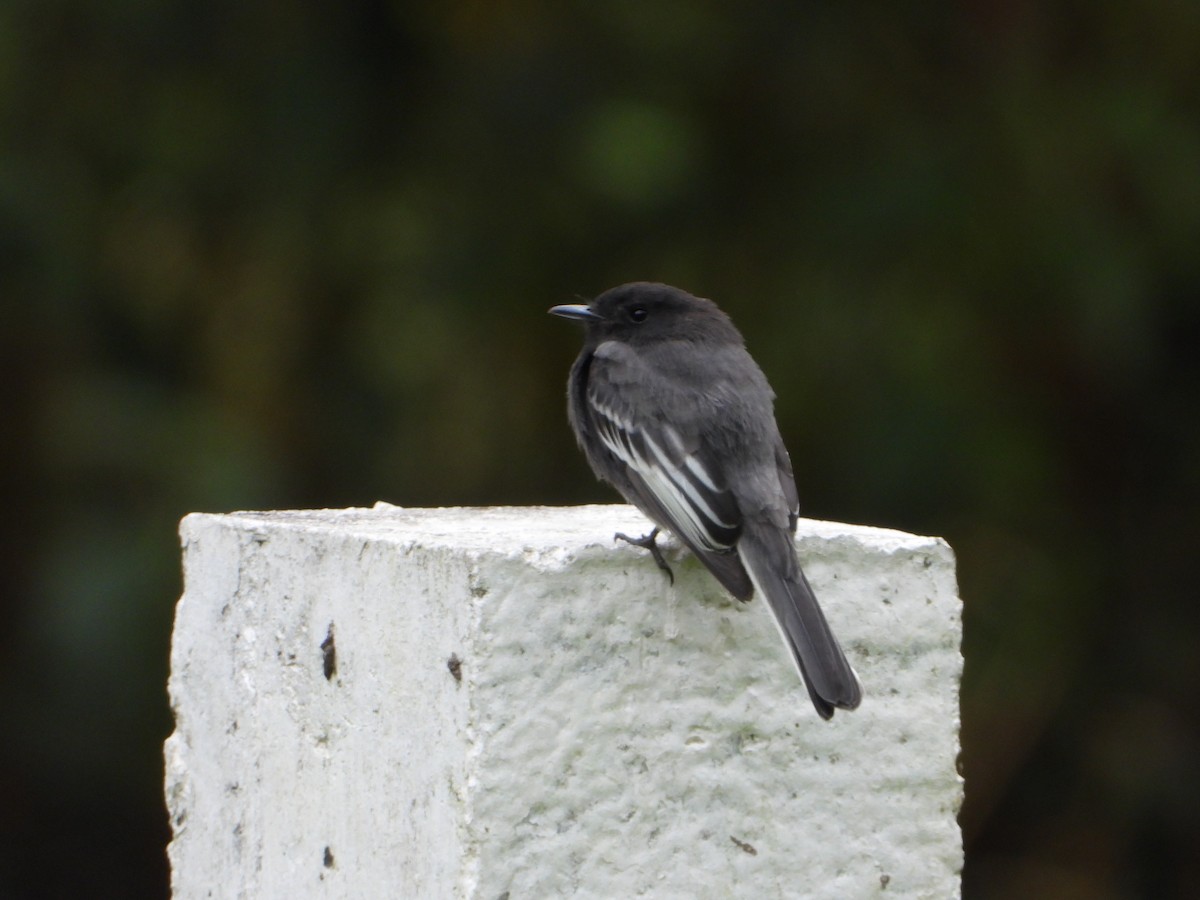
pixel 648 542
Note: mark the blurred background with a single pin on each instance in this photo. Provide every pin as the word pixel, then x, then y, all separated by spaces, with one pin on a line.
pixel 271 254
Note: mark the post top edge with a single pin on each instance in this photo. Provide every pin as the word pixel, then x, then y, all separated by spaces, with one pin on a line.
pixel 497 528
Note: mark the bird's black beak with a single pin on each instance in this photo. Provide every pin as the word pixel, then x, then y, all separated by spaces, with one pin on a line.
pixel 575 311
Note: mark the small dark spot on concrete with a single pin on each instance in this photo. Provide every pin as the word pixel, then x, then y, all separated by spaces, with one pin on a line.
pixel 476 585
pixel 503 896
pixel 884 880
pixel 329 654
pixel 454 664
pixel 259 538
pixel 328 858
pixel 743 846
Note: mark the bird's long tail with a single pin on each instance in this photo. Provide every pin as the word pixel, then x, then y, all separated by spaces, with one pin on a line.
pixel 770 559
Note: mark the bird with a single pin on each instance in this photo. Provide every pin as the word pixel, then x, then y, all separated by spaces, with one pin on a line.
pixel 669 408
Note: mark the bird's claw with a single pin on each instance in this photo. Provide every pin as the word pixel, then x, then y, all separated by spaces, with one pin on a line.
pixel 649 542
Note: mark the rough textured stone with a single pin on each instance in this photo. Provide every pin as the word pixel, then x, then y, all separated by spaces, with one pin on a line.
pixel 467 702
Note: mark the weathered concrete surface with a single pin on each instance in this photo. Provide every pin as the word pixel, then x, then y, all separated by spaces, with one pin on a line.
pixel 467 702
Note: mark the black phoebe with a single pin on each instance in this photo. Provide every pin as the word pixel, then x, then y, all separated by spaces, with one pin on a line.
pixel 671 410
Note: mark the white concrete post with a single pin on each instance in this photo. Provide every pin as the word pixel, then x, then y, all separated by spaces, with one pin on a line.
pixel 504 703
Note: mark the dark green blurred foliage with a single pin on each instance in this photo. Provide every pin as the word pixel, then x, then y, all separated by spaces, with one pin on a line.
pixel 278 255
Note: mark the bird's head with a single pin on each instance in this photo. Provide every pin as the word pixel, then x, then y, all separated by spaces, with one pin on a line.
pixel 644 312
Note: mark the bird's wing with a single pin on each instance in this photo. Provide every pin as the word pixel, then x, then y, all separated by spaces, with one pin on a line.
pixel 787 482
pixel 662 466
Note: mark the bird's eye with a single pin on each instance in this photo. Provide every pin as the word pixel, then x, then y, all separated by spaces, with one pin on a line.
pixel 638 314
